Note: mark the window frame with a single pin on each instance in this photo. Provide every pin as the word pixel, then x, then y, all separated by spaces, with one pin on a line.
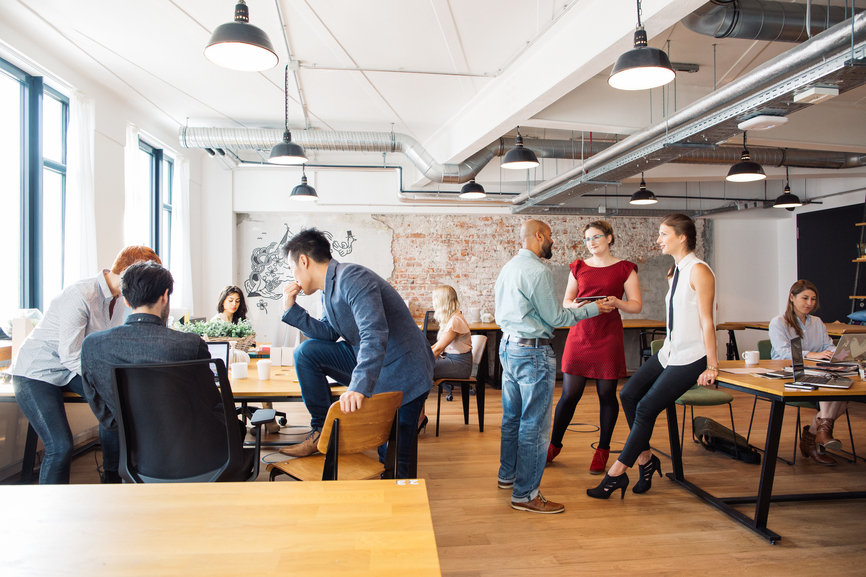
pixel 33 92
pixel 161 172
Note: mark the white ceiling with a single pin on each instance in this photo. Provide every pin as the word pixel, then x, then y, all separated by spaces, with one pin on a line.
pixel 550 79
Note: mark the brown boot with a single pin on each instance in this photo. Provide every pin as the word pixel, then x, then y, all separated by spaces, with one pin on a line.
pixel 307 447
pixel 810 449
pixel 824 435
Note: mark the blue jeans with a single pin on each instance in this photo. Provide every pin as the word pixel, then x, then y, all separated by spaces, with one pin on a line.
pixel 316 359
pixel 42 404
pixel 528 378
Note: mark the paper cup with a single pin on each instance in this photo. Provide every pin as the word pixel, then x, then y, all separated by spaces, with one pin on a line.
pixel 264 367
pixel 239 370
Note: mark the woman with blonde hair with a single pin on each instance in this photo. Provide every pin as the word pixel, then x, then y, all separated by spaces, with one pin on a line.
pixel 453 348
pixel 817 345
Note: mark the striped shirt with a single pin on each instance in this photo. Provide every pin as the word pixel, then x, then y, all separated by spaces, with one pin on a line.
pixel 52 352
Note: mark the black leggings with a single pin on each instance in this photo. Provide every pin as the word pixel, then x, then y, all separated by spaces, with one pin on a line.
pixel 572 391
pixel 647 393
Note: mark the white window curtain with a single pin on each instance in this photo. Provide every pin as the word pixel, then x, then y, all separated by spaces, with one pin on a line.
pixel 181 255
pixel 136 211
pixel 79 244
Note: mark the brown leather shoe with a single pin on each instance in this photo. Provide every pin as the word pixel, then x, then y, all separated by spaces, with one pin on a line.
pixel 539 505
pixel 307 447
pixel 810 449
pixel 824 435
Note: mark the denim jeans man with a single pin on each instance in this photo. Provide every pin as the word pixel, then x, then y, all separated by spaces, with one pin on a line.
pixel 528 311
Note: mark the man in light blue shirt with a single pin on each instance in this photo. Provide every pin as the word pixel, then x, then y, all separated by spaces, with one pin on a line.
pixel 528 311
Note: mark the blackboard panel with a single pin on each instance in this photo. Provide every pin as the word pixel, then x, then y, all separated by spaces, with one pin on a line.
pixel 826 245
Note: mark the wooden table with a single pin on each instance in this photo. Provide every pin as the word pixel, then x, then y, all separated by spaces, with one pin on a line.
pixel 283 386
pixel 774 391
pixel 315 528
pixel 833 329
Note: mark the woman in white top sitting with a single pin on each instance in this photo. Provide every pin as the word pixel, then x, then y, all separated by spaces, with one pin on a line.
pixel 817 345
pixel 231 306
pixel 687 356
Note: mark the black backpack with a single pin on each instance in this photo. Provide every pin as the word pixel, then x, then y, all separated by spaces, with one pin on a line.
pixel 716 437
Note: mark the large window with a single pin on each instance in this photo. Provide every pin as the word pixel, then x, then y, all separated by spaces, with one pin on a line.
pixel 32 189
pixel 157 169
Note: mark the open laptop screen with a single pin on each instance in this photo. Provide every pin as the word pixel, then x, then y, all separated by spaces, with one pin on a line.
pixel 219 350
pixel 797 363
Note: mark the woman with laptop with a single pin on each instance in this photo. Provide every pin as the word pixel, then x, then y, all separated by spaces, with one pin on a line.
pixel 687 356
pixel 817 345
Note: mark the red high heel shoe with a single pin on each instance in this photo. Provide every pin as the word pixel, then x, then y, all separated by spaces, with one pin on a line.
pixel 552 452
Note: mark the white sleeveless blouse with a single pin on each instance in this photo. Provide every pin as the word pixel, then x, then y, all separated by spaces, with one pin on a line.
pixel 685 344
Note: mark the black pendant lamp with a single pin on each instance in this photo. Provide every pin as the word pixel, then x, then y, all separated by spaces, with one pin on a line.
pixel 304 191
pixel 745 170
pixel 472 191
pixel 643 196
pixel 786 199
pixel 642 67
pixel 241 46
pixel 518 157
pixel 287 152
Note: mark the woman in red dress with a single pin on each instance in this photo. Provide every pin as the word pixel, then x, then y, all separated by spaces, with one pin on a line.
pixel 594 349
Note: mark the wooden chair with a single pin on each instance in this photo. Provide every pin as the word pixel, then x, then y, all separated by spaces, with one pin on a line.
pixel 478 378
pixel 343 439
pixel 702 397
pixel 765 353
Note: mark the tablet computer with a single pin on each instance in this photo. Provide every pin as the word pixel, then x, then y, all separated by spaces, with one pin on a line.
pixel 590 298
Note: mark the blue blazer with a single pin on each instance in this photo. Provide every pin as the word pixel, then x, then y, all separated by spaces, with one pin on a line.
pixel 360 306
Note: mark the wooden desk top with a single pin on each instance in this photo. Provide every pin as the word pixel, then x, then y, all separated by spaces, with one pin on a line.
pixel 834 329
pixel 626 324
pixel 776 387
pixel 314 528
pixel 283 383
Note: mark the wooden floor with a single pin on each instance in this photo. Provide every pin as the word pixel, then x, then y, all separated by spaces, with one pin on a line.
pixel 664 532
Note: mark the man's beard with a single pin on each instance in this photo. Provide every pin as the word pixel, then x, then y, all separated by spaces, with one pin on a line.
pixel 164 314
pixel 548 251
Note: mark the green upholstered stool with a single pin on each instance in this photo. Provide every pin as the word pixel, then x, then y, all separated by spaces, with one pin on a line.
pixel 701 397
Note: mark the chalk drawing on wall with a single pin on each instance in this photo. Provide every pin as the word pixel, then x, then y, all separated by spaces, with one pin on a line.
pixel 262 273
pixel 268 270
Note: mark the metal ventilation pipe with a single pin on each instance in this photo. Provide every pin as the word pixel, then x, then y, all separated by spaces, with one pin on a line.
pixel 784 64
pixel 763 20
pixel 793 157
pixel 266 138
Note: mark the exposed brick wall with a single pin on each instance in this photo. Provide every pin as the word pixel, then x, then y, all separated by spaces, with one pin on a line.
pixel 467 252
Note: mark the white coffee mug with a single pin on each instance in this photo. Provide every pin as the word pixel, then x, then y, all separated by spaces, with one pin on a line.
pixel 264 367
pixel 751 357
pixel 239 370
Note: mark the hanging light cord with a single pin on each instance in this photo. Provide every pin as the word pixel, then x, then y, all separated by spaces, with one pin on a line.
pixel 287 97
pixel 638 13
pixel 787 180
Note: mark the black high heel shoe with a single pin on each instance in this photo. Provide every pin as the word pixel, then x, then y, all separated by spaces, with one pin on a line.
pixel 423 425
pixel 646 475
pixel 609 485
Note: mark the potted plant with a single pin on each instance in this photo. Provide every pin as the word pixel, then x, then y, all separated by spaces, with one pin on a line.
pixel 241 333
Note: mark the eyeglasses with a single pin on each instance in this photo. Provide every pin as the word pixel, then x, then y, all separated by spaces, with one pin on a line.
pixel 592 238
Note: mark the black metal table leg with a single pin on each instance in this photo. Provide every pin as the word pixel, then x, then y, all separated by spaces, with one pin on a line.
pixel 768 467
pixel 676 449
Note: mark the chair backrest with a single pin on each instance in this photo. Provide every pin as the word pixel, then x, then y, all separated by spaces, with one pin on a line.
pixel 656 345
pixel 430 324
pixel 175 425
pixel 364 429
pixel 765 349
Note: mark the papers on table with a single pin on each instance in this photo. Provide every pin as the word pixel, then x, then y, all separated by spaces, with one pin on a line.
pixel 747 371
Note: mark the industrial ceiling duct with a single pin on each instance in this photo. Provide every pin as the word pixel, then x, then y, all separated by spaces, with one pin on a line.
pixel 763 20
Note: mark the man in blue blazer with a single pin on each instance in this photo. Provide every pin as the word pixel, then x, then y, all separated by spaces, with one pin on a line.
pixel 382 348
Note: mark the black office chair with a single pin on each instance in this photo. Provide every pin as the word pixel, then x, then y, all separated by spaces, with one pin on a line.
pixel 177 426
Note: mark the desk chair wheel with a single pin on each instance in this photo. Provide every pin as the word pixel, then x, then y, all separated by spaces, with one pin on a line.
pixel 253 431
pixel 449 397
pixel 283 422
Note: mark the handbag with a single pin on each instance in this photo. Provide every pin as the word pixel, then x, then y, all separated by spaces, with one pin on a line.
pixel 715 437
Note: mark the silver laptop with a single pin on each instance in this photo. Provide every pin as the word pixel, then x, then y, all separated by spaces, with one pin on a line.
pixel 219 350
pixel 850 351
pixel 800 376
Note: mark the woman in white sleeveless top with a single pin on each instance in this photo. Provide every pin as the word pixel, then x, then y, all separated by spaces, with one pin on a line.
pixel 688 356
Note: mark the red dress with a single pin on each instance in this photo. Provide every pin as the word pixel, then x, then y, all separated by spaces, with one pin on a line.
pixel 594 347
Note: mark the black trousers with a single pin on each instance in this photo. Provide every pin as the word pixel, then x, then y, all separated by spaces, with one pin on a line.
pixel 647 393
